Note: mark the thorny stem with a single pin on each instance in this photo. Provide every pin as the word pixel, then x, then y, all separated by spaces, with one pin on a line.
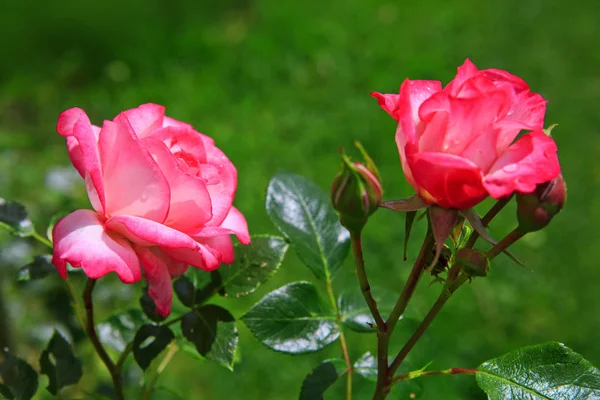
pixel 447 292
pixel 365 288
pixel 384 373
pixel 504 243
pixel 487 218
pixel 418 374
pixel 114 370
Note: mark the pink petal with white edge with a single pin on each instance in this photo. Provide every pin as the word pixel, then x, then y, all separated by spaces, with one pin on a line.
pixel 80 240
pixel 205 258
pixel 156 273
pixel 236 222
pixel 223 245
pixel 531 160
pixel 145 232
pixel 145 119
pixel 190 206
pixel 85 155
pixel 133 182
pixel 223 191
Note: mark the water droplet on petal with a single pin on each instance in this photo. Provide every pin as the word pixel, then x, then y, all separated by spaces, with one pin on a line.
pixel 510 168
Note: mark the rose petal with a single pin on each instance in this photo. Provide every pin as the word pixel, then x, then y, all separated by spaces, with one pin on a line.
pixel 447 180
pixel 205 258
pixel 83 150
pixel 156 273
pixel 190 206
pixel 134 184
pixel 528 162
pixel 145 119
pixel 236 222
pixel 464 72
pixel 80 239
pixel 146 232
pixel 223 245
pixel 221 193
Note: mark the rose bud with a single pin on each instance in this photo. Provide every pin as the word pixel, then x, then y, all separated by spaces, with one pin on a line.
pixel 535 210
pixel 472 262
pixel 356 191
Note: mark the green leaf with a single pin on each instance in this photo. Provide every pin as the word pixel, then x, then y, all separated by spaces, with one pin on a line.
pixel 546 371
pixel 119 330
pixel 254 265
pixel 148 342
pixel 18 376
pixel 149 307
pixel 13 216
pixel 5 392
pixel 39 268
pixel 321 378
pixel 293 319
pixel 213 332
pixel 60 364
pixel 303 213
pixel 185 291
pixel 366 366
pixel 355 312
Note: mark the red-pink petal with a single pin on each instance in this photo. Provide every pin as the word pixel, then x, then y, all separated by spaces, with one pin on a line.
pixel 190 206
pixel 133 182
pixel 531 160
pixel 156 273
pixel 447 180
pixel 84 152
pixel 80 240
pixel 465 72
pixel 388 102
pixel 145 119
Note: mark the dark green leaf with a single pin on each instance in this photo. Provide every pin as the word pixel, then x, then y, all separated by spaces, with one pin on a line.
pixel 13 216
pixel 546 371
pixel 119 330
pixel 18 376
pixel 303 213
pixel 39 268
pixel 254 265
pixel 355 312
pixel 60 364
pixel 213 331
pixel 321 378
pixel 149 307
pixel 148 342
pixel 185 291
pixel 293 319
pixel 5 392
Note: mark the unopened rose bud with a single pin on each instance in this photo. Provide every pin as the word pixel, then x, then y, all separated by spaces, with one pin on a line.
pixel 536 210
pixel 472 262
pixel 356 192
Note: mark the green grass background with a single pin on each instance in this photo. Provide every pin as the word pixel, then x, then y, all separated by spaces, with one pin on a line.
pixel 281 86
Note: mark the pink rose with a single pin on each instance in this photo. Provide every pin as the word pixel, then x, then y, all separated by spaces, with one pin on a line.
pixel 457 144
pixel 162 195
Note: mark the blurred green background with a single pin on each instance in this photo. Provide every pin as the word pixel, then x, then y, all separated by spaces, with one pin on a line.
pixel 281 86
